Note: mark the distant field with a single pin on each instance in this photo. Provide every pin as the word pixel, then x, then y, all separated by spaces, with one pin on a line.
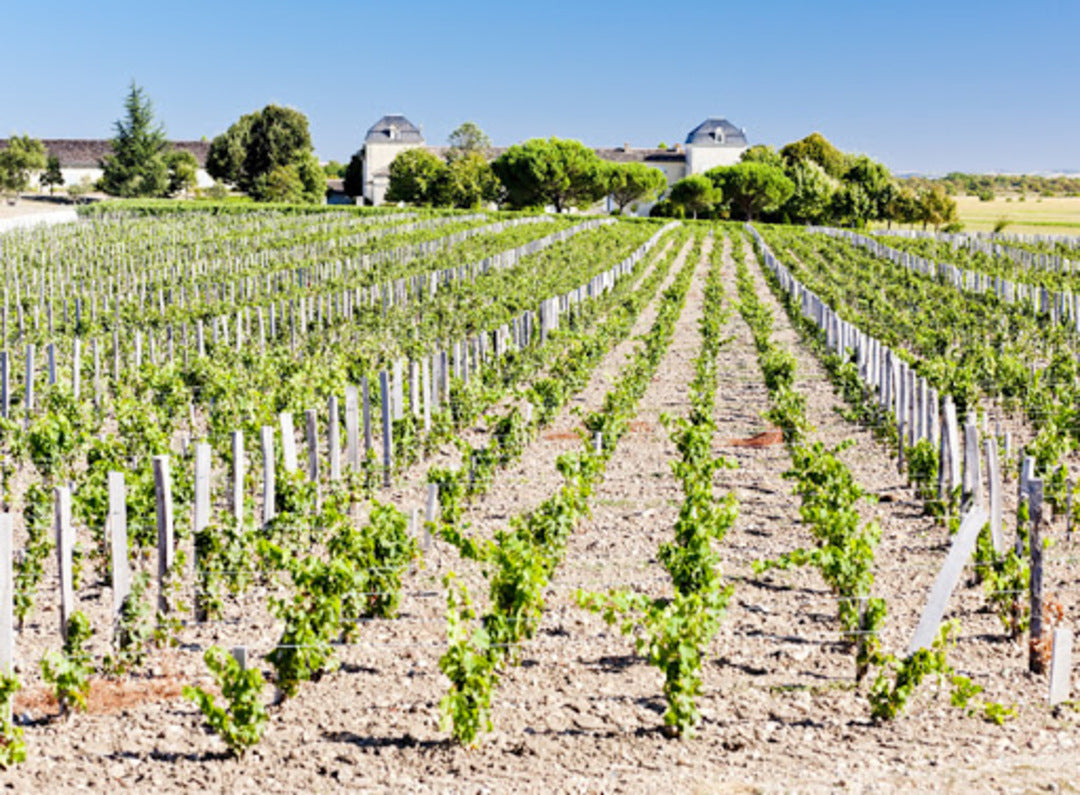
pixel 1034 215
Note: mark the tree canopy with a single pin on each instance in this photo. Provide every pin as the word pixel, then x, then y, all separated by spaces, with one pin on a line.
pixel 467 138
pixel 467 182
pixel 272 140
pixel 53 176
pixel 23 157
pixel 812 194
pixel 225 160
pixel 935 207
pixel 182 167
pixel 555 171
pixel 354 175
pixel 753 187
pixel 762 153
pixel 632 182
pixel 415 175
pixel 137 166
pixel 817 148
pixel 695 194
pixel 875 181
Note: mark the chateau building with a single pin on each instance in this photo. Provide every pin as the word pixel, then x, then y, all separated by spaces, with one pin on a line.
pixel 714 142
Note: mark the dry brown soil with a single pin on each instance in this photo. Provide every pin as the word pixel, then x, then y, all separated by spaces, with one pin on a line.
pixel 582 712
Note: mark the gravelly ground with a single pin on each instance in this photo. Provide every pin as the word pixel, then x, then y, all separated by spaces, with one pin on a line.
pixel 582 712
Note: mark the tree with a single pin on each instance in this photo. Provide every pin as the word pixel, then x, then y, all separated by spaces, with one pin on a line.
pixel 53 176
pixel 554 171
pixel 467 138
pixel 225 159
pixel 817 148
pixel 466 181
pixel 137 165
pixel 312 177
pixel 851 206
pixel 415 176
pixel 695 194
pixel 183 166
pixel 281 184
pixel 936 207
pixel 902 206
pixel 334 170
pixel 354 175
pixel 762 153
pixel 809 202
pixel 875 180
pixel 278 137
pixel 754 188
pixel 22 157
pixel 631 182
pixel 261 142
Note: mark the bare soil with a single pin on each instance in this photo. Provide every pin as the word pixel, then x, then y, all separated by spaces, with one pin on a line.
pixel 582 712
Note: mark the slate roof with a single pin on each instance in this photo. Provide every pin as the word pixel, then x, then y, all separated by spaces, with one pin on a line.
pixel 88 152
pixel 623 155
pixel 405 132
pixel 717 132
pixel 618 155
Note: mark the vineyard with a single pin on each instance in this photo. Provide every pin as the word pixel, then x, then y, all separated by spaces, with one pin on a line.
pixel 410 500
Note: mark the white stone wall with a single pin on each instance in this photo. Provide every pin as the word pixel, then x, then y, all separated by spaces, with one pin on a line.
pixel 377 160
pixel 74 176
pixel 700 159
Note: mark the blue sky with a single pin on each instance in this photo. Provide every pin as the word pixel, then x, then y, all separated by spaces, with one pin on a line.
pixel 924 86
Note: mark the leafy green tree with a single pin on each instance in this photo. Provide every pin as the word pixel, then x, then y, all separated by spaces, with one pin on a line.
pixel 902 206
pixel 467 181
pixel 752 187
pixel 817 148
pixel 182 171
pixel 936 207
pixel 280 184
pixel 467 138
pixel 334 170
pixel 875 180
pixel 354 175
pixel 137 167
pixel 23 157
pixel 631 182
pixel 762 153
pixel 53 176
pixel 268 141
pixel 666 208
pixel 278 137
pixel 312 177
pixel 225 159
pixel 851 206
pixel 695 194
pixel 415 176
pixel 810 201
pixel 554 171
